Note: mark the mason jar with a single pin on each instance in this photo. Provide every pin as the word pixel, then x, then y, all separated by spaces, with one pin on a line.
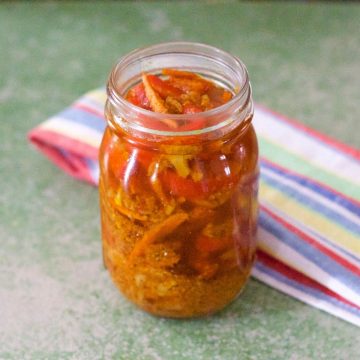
pixel 179 203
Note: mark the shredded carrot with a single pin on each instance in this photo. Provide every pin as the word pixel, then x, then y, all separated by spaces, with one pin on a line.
pixel 129 213
pixel 184 84
pixel 157 232
pixel 156 102
pixel 169 203
pixel 173 105
pixel 156 185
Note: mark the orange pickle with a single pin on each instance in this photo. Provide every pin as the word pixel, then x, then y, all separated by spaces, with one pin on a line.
pixel 178 183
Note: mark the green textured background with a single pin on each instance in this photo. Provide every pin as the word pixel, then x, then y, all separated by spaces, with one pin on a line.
pixel 56 300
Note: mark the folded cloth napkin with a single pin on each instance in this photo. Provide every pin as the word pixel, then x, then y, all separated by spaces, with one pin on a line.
pixel 309 225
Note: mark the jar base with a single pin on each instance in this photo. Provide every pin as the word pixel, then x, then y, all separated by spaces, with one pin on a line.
pixel 181 297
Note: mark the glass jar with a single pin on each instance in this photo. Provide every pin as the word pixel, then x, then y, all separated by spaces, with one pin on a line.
pixel 179 207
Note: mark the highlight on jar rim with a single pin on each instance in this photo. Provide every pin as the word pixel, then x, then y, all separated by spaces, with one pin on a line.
pixel 179 179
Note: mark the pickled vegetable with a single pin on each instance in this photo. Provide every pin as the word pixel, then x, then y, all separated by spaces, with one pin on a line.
pixel 178 221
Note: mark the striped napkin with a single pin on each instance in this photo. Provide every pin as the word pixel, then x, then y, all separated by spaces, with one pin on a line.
pixel 309 228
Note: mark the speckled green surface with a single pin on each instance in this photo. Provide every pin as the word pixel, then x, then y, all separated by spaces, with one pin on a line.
pixel 56 300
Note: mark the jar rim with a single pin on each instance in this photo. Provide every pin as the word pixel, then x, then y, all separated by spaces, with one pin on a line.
pixel 236 104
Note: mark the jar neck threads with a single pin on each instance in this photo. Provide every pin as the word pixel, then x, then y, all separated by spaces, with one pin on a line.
pixel 218 66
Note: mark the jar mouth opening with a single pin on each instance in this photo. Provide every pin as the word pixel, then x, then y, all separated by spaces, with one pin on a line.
pixel 144 58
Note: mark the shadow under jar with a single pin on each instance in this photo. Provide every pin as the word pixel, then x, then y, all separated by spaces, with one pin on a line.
pixel 178 192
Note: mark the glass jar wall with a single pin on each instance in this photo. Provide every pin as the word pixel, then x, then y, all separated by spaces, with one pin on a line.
pixel 178 192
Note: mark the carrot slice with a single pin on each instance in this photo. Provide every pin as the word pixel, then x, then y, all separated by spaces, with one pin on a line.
pixel 156 102
pixel 156 233
pixel 184 84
